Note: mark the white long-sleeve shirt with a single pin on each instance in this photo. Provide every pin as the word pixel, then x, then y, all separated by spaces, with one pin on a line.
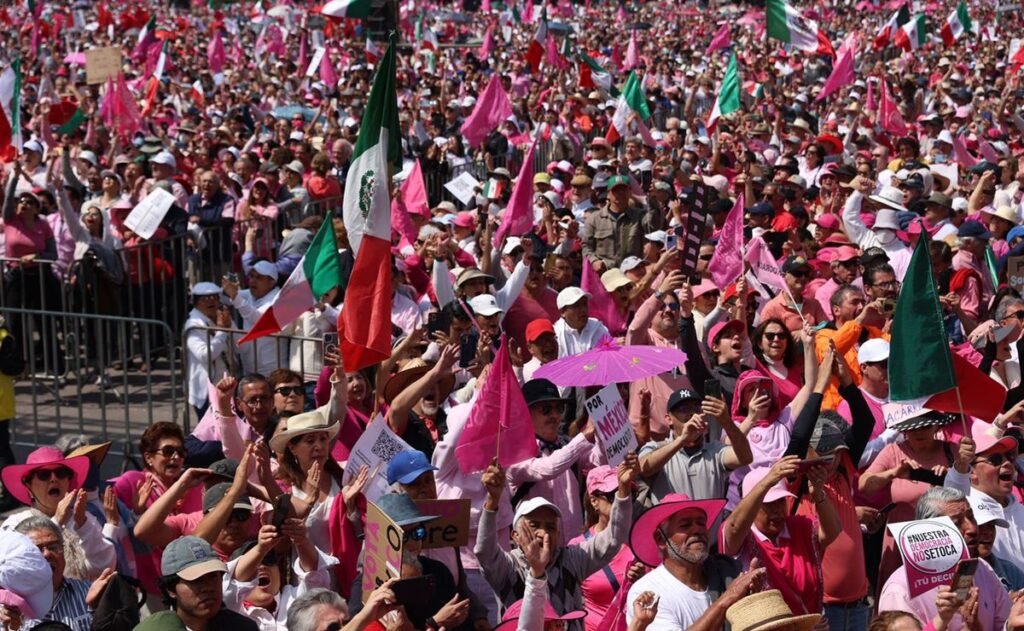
pixel 266 354
pixel 205 358
pixel 898 253
pixel 573 342
pixel 235 592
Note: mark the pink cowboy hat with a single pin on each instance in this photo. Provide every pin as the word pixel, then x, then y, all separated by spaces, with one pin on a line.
pixel 14 475
pixel 641 537
pixel 511 618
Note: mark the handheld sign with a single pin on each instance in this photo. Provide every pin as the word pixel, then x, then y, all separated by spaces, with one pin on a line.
pixel 145 218
pixel 102 64
pixel 1015 273
pixel 375 449
pixel 696 222
pixel 614 431
pixel 382 545
pixel 931 550
pixel 451 528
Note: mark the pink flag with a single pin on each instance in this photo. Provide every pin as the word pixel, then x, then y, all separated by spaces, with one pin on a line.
pixel 518 216
pixel 615 617
pixel 499 422
pixel 487 47
pixel 528 12
pixel 303 54
pixel 485 6
pixel 601 304
pixel 215 54
pixel 987 151
pixel 621 15
pixel 869 101
pixel 327 74
pixel 107 104
pixel 414 192
pixel 119 110
pixel 960 153
pixel 552 58
pixel 727 262
pixel 842 71
pixel 491 110
pixel 766 269
pixel 616 56
pixel 632 54
pixel 400 221
pixel 721 40
pixel 889 113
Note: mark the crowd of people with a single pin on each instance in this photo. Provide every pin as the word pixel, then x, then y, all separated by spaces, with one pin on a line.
pixel 657 145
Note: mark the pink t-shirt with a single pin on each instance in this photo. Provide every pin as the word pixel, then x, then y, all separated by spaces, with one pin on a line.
pixel 22 240
pixel 598 590
pixel 767 443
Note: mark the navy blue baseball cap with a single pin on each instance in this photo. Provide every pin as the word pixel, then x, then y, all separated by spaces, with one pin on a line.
pixel 971 228
pixel 406 466
pixel 762 208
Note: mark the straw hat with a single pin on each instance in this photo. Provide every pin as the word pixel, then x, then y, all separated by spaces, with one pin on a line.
pixel 410 373
pixel 305 423
pixel 97 453
pixel 765 611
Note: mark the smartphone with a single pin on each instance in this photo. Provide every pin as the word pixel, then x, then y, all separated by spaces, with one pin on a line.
pixel 282 507
pixel 437 322
pixel 331 342
pixel 415 594
pixel 467 348
pixel 670 242
pixel 927 476
pixel 713 388
pixel 963 579
pixel 806 465
pixel 888 507
pixel 549 263
pixel 888 306
pixel 232 277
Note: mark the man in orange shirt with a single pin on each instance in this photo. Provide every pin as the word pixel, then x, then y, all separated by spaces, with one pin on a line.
pixel 849 312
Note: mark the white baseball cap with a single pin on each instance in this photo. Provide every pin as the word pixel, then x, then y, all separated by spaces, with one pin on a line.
pixel 485 305
pixel 986 510
pixel 570 296
pixel 533 504
pixel 205 288
pixel 165 158
pixel 658 236
pixel 511 244
pixel 874 350
pixel 631 262
pixel 266 268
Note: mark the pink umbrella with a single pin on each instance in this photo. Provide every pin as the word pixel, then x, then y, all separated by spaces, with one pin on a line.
pixel 610 363
pixel 75 58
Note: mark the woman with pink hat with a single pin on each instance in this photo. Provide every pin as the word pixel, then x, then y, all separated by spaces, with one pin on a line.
pixel 52 486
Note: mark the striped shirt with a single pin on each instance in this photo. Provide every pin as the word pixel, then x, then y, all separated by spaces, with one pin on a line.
pixel 68 606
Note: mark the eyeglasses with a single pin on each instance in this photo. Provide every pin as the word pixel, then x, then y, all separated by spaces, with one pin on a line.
pixel 61 473
pixel 169 451
pixel 997 460
pixel 671 306
pixel 1016 314
pixel 889 284
pixel 548 408
pixel 287 391
pixel 771 337
pixel 417 534
pixel 256 401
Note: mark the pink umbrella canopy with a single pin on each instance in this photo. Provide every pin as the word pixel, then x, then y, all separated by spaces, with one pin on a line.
pixel 610 363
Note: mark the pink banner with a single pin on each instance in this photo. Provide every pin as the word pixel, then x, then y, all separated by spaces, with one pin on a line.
pixel 722 39
pixel 518 216
pixel 842 72
pixel 727 262
pixel 491 110
pixel 765 268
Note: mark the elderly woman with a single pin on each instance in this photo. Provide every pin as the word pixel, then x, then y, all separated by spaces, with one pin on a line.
pixel 257 211
pixel 776 356
pixel 163 454
pixel 922 449
pixel 52 486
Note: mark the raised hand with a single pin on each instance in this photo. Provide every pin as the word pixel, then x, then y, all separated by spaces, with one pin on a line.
pixel 110 510
pixel 536 548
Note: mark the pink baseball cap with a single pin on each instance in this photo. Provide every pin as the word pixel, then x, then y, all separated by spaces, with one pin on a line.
pixel 754 477
pixel 465 219
pixel 704 287
pixel 828 221
pixel 602 479
pixel 985 441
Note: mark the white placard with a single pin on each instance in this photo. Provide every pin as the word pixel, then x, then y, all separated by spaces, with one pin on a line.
pixel 611 420
pixel 375 448
pixel 314 63
pixel 463 187
pixel 145 218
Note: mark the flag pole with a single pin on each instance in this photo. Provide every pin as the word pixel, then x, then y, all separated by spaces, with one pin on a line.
pixel 963 416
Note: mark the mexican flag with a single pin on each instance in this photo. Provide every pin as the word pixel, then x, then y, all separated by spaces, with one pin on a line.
pixel 161 62
pixel 197 92
pixel 10 110
pixel 347 8
pixel 888 31
pixel 631 101
pixel 425 35
pixel 592 75
pixel 318 272
pixel 364 326
pixel 912 35
pixel 728 100
pixel 147 37
pixel 958 22
pixel 72 124
pixel 786 24
pixel 922 370
pixel 535 53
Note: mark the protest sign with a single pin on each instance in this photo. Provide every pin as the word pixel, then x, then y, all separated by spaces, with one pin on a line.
pixel 693 232
pixel 102 64
pixel 375 448
pixel 931 549
pixel 614 431
pixel 451 528
pixel 463 187
pixel 1015 273
pixel 145 218
pixel 897 412
pixel 382 548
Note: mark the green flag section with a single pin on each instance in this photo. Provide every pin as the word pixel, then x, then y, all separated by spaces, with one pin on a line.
pixel 10 110
pixel 72 125
pixel 786 24
pixel 347 8
pixel 317 273
pixel 728 100
pixel 913 34
pixel 631 101
pixel 592 75
pixel 958 23
pixel 364 326
pixel 919 358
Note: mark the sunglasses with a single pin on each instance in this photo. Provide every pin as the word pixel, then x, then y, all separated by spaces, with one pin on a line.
pixel 771 337
pixel 671 306
pixel 169 451
pixel 334 626
pixel 417 534
pixel 548 408
pixel 287 391
pixel 997 460
pixel 239 515
pixel 706 257
pixel 61 473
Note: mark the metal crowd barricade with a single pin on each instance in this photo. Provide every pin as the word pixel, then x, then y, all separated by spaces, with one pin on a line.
pixel 102 385
pixel 302 354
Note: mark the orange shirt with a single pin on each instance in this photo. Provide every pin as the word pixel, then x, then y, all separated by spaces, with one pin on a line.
pixel 847 338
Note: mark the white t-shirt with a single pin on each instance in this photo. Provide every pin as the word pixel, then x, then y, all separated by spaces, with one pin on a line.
pixel 679 607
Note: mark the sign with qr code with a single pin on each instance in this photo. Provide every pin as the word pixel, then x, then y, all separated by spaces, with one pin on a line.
pixel 374 449
pixel 693 231
pixel 383 540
